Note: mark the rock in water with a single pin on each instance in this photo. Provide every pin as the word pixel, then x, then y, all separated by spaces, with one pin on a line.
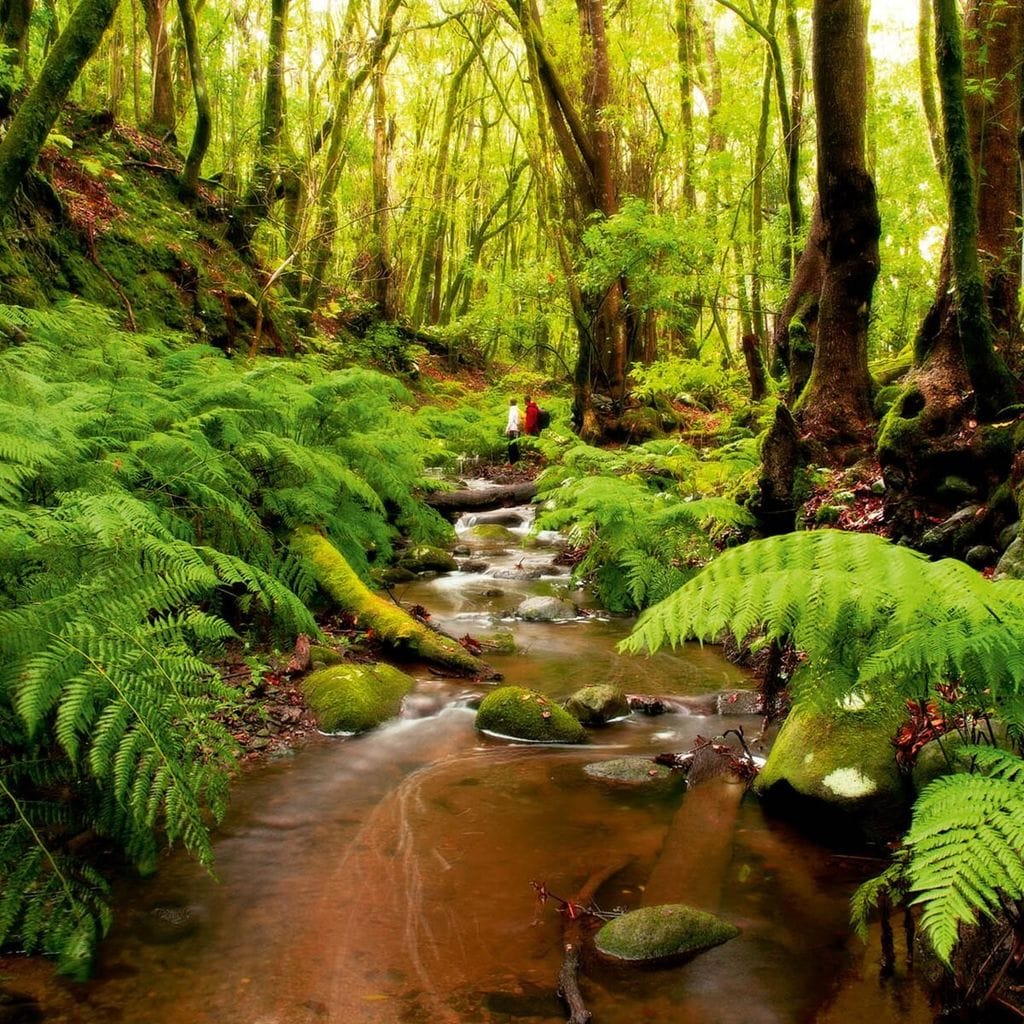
pixel 547 609
pixel 658 933
pixel 634 772
pixel 598 704
pixel 354 698
pixel 526 715
pixel 837 772
pixel 425 558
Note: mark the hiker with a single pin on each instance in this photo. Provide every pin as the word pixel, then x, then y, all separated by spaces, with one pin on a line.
pixel 532 417
pixel 512 432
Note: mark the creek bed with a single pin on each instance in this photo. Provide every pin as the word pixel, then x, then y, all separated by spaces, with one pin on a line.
pixel 385 879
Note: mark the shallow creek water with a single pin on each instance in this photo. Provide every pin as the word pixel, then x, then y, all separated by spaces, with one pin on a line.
pixel 385 879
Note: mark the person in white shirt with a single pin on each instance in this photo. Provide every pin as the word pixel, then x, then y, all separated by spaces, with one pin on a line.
pixel 512 432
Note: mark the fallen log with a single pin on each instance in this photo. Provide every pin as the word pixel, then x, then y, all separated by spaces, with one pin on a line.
pixel 389 622
pixel 451 504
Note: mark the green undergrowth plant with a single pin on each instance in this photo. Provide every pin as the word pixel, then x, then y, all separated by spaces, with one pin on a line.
pixel 879 625
pixel 147 494
pixel 638 514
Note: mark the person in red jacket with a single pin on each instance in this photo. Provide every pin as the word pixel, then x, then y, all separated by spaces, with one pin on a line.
pixel 532 415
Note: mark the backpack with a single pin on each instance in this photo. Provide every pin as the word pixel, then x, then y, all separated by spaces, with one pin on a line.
pixel 543 419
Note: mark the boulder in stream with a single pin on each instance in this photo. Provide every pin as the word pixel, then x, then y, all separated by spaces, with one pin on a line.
pixel 663 932
pixel 497 517
pixel 634 772
pixel 426 558
pixel 837 771
pixel 598 704
pixel 527 715
pixel 353 698
pixel 547 609
pixel 490 535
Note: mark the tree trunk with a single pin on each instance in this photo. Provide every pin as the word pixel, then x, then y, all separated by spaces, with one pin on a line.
pixel 41 107
pixel 993 384
pixel 685 37
pixel 204 118
pixel 327 217
pixel 437 218
pixel 931 431
pixel 925 53
pixel 382 273
pixel 837 401
pixel 271 154
pixel 162 101
pixel 15 20
pixel 796 326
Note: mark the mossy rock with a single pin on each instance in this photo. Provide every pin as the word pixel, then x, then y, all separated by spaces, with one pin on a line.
pixel 491 535
pixel 827 514
pixel 598 704
pixel 425 558
pixel 527 715
pixel 353 698
pixel 663 932
pixel 836 771
pixel 635 772
pixel 321 655
pixel 393 576
pixel 547 609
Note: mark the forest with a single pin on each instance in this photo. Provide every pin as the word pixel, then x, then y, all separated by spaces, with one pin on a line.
pixel 511 510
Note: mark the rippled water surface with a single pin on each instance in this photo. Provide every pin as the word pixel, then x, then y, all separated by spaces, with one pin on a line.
pixel 385 879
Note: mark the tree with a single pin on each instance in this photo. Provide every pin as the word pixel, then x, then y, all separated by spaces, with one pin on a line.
pixel 204 117
pixel 161 116
pixel 960 376
pixel 836 407
pixel 41 107
pixel 584 141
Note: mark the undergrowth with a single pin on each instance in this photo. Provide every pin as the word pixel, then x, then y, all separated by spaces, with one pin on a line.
pixel 147 491
pixel 644 518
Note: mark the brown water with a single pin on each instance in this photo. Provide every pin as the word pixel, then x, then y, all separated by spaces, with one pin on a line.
pixel 386 879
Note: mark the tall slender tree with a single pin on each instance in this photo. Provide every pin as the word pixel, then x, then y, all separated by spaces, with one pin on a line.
pixel 836 406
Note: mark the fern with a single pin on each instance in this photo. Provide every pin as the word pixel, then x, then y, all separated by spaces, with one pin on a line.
pixel 146 491
pixel 880 621
pixel 634 513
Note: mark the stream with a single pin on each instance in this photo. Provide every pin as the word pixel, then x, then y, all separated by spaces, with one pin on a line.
pixel 385 879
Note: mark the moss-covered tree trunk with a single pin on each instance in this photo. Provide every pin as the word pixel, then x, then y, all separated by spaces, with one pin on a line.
pixel 836 407
pixel 387 620
pixel 204 116
pixel 992 382
pixel 931 436
pixel 41 107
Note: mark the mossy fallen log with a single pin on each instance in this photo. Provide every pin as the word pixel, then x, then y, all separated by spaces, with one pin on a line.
pixel 389 622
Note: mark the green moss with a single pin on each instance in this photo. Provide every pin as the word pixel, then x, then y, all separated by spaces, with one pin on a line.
pixel 842 760
pixel 642 423
pixel 390 622
pixel 318 654
pixel 657 933
pixel 827 514
pixel 634 771
pixel 885 397
pixel 491 533
pixel 527 715
pixel 425 558
pixel 597 704
pixel 354 698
